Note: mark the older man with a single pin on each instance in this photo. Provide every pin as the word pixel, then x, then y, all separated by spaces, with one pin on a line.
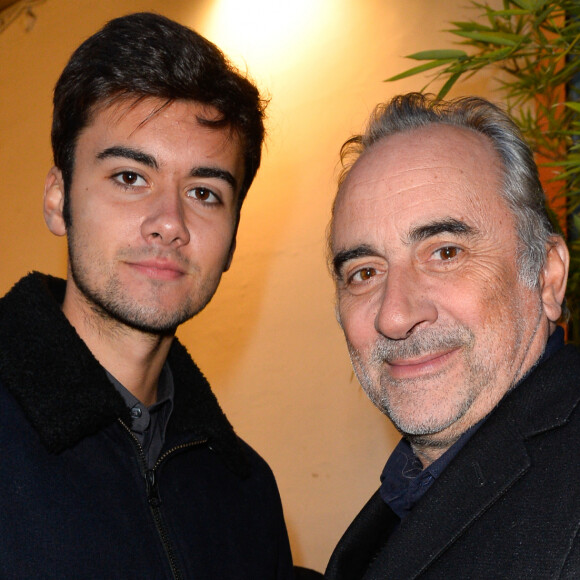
pixel 450 282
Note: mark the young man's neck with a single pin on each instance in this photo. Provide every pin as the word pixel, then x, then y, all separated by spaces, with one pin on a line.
pixel 135 358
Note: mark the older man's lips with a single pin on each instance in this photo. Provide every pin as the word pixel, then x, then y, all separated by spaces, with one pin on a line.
pixel 158 269
pixel 420 366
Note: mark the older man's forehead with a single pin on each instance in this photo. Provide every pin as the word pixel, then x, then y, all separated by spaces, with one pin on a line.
pixel 409 181
pixel 431 145
pixel 443 151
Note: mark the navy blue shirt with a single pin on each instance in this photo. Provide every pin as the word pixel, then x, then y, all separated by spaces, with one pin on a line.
pixel 404 481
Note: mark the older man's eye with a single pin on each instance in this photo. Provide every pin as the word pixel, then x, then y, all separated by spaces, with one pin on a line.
pixel 363 275
pixel 448 253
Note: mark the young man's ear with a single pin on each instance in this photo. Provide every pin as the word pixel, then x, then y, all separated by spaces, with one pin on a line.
pixel 54 202
pixel 231 255
pixel 554 277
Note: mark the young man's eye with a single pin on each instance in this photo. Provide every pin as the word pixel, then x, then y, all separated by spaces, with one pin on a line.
pixel 203 194
pixel 129 179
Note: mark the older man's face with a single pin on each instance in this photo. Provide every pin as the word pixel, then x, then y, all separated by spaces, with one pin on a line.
pixel 438 324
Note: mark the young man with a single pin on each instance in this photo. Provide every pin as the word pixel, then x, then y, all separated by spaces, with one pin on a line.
pixel 117 460
pixel 450 281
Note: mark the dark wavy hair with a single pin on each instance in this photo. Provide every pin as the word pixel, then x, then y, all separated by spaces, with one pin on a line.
pixel 147 55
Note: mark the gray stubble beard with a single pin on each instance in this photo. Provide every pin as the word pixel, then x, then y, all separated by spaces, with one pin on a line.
pixel 427 341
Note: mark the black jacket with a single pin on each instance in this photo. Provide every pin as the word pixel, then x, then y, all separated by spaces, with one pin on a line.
pixel 76 497
pixel 507 506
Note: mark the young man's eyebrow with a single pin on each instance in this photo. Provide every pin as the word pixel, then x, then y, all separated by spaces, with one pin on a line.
pixel 129 153
pixel 340 258
pixel 150 161
pixel 443 226
pixel 216 173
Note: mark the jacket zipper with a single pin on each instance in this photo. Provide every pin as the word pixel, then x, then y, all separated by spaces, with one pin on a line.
pixel 150 476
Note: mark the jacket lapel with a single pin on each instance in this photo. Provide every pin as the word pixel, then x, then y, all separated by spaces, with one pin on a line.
pixel 490 463
pixel 368 532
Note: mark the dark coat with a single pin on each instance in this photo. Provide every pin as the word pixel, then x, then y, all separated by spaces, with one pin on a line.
pixel 507 506
pixel 76 497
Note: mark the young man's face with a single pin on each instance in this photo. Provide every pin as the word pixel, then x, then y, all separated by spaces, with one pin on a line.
pixel 153 203
pixel 438 323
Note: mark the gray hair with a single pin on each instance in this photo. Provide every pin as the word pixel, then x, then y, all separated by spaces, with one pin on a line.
pixel 521 186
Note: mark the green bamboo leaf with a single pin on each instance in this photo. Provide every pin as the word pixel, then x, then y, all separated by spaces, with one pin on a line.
pixel 572 165
pixel 530 5
pixel 438 54
pixel 565 175
pixel 495 55
pixel 470 26
pixel 503 38
pixel 447 86
pixel 573 105
pixel 419 69
pixel 510 12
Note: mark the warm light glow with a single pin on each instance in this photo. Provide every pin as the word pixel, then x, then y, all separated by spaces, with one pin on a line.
pixel 261 32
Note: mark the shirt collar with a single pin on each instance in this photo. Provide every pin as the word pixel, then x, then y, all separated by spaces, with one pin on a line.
pixel 140 414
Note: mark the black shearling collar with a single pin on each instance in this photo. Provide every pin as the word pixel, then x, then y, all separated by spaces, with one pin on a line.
pixel 64 391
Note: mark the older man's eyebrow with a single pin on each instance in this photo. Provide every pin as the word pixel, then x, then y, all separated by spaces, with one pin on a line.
pixel 215 172
pixel 443 226
pixel 129 153
pixel 344 256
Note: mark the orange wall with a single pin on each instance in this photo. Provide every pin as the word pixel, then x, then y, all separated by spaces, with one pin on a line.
pixel 268 342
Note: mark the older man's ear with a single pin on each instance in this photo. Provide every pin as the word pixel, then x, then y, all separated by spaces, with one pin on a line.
pixel 553 278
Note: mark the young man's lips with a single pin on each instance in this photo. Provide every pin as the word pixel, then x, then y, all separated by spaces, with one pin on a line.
pixel 416 367
pixel 159 269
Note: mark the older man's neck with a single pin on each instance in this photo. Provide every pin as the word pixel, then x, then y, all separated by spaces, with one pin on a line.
pixel 429 450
